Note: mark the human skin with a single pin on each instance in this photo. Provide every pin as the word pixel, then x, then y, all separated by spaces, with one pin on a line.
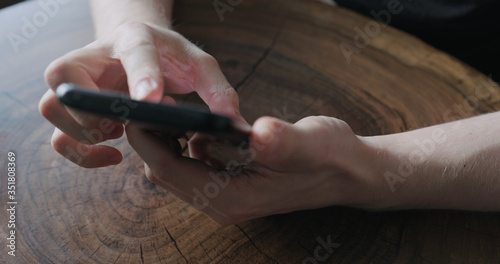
pixel 313 163
pixel 136 51
pixel 319 162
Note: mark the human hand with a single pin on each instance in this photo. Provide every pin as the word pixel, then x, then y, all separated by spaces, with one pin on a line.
pixel 145 60
pixel 313 163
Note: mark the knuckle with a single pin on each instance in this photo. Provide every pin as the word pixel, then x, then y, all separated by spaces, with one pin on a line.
pixel 206 62
pixel 57 70
pixel 325 125
pixel 58 143
pixel 54 72
pixel 131 27
pixel 313 120
pixel 219 90
pixel 331 122
pixel 130 36
pixel 128 45
pixel 218 96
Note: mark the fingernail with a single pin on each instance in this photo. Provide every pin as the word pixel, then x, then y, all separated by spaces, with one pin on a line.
pixel 144 88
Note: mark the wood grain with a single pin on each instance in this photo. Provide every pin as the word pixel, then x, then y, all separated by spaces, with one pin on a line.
pixel 285 59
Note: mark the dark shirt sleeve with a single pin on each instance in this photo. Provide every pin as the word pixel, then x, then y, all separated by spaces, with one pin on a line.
pixel 466 29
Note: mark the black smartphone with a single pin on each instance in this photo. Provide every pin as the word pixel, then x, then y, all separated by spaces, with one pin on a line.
pixel 155 117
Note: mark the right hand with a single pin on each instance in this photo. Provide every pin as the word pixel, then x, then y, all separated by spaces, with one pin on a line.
pixel 316 162
pixel 145 60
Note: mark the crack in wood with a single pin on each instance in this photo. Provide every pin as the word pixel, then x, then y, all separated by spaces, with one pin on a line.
pixel 142 256
pixel 175 244
pixel 254 245
pixel 19 102
pixel 261 59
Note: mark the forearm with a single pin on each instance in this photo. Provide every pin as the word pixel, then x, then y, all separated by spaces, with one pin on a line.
pixel 109 14
pixel 454 165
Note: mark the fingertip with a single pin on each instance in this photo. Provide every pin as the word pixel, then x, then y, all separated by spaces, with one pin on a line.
pixel 101 156
pixel 115 158
pixel 149 174
pixel 46 104
pixel 147 89
pixel 199 146
pixel 87 156
pixel 117 132
pixel 265 129
pixel 168 100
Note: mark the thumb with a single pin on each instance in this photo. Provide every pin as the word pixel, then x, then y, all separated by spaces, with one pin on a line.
pixel 279 144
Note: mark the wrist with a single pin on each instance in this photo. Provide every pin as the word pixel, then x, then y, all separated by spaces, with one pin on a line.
pixel 367 163
pixel 404 168
pixel 381 168
pixel 109 15
pixel 355 172
pixel 452 165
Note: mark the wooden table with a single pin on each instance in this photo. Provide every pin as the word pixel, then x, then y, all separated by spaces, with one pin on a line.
pixel 285 60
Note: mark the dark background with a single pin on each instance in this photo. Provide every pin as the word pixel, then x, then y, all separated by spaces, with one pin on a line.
pixel 5 3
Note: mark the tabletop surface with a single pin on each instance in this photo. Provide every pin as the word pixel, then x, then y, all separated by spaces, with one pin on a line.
pixel 288 59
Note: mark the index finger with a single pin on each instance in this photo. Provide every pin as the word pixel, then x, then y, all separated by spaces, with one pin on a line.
pixel 139 57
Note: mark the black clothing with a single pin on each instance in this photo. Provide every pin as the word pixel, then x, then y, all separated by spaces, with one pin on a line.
pixel 466 29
